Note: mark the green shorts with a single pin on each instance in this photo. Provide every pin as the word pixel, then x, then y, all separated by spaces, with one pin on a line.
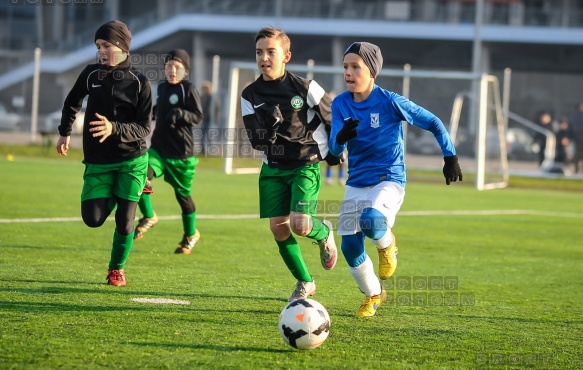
pixel 177 172
pixel 125 180
pixel 284 191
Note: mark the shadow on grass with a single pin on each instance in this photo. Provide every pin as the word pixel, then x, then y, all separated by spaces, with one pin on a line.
pixel 214 347
pixel 104 288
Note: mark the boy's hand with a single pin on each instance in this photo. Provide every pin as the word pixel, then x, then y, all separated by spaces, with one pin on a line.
pixel 174 116
pixel 102 128
pixel 63 145
pixel 348 131
pixel 451 169
pixel 271 116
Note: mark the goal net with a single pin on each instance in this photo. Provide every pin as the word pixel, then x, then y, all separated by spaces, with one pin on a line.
pixel 441 92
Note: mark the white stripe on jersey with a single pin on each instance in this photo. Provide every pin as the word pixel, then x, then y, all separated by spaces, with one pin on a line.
pixel 246 107
pixel 315 94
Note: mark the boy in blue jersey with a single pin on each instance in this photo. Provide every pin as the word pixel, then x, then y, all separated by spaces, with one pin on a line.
pixel 366 120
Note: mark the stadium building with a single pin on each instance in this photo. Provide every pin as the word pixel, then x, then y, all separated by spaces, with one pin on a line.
pixel 538 40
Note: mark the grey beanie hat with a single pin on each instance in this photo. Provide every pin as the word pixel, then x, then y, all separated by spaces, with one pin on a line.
pixel 370 54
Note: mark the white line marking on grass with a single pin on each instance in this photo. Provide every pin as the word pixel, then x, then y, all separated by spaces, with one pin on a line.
pixel 160 301
pixel 492 212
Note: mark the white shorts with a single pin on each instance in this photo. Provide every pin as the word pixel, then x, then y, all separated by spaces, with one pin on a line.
pixel 387 197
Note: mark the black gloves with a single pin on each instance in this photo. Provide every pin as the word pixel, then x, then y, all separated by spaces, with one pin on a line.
pixel 174 116
pixel 348 131
pixel 332 160
pixel 451 169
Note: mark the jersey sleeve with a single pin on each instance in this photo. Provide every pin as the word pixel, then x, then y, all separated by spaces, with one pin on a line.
pixel 258 136
pixel 337 123
pixel 320 102
pixel 416 115
pixel 73 103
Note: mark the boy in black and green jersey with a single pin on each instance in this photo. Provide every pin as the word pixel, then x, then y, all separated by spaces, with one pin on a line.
pixel 117 121
pixel 288 118
pixel 178 109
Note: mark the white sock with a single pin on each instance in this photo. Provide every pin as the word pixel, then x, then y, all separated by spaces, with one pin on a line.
pixel 365 278
pixel 385 241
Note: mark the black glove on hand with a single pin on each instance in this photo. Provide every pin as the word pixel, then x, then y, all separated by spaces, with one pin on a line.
pixel 335 161
pixel 348 131
pixel 271 117
pixel 451 169
pixel 174 116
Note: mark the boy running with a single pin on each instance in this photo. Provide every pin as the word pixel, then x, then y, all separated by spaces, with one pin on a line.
pixel 286 117
pixel 178 109
pixel 117 121
pixel 366 120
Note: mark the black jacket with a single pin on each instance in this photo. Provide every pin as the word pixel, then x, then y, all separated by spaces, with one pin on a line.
pixel 123 95
pixel 178 109
pixel 302 138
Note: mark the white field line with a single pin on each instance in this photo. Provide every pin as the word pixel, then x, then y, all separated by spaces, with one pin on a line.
pixel 160 301
pixel 492 212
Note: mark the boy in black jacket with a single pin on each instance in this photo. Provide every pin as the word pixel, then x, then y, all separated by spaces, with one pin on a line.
pixel 178 109
pixel 288 118
pixel 117 121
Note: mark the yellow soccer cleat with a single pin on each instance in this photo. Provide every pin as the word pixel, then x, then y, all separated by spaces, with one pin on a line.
pixel 388 260
pixel 145 224
pixel 369 307
pixel 187 243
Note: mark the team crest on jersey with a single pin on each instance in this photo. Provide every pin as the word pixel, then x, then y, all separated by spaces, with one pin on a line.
pixel 173 99
pixel 297 102
pixel 374 120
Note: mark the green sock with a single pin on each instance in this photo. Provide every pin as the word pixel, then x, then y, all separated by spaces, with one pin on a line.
pixel 122 244
pixel 292 256
pixel 189 223
pixel 319 231
pixel 145 205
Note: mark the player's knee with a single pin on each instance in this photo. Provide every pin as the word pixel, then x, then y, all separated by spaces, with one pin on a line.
pixel 93 222
pixel 280 231
pixel 373 223
pixel 186 204
pixel 353 249
pixel 300 224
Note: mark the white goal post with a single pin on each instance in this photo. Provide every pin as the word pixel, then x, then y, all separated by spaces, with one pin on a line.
pixel 240 158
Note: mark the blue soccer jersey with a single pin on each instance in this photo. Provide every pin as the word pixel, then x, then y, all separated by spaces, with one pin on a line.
pixel 376 154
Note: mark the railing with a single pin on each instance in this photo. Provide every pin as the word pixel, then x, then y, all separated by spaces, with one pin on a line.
pixel 514 13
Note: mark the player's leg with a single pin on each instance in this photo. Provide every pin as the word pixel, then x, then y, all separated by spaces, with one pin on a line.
pixel 180 175
pixel 341 174
pixel 97 200
pixel 149 219
pixel 359 264
pixel 305 188
pixel 122 241
pixel 191 235
pixel 274 203
pixel 362 270
pixel 130 179
pixel 376 221
pixel 328 174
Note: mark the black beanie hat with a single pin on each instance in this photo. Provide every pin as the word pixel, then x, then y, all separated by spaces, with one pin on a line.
pixel 117 33
pixel 370 54
pixel 179 55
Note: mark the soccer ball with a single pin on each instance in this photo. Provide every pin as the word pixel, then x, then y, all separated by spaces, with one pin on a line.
pixel 304 324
